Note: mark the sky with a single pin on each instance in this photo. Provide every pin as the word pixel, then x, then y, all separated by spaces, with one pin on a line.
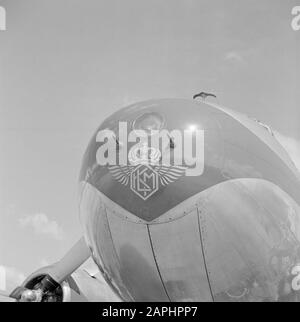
pixel 65 65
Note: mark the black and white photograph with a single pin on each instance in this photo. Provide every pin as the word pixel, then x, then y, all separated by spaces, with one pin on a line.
pixel 149 152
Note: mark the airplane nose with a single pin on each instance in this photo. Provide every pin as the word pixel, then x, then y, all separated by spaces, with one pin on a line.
pixel 159 234
pixel 149 189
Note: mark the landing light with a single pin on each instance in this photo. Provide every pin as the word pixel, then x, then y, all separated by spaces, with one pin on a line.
pixel 192 128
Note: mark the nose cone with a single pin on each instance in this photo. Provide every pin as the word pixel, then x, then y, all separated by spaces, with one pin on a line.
pixel 148 188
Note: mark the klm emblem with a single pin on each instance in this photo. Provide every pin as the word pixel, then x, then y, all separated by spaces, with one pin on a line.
pixel 149 158
pixel 144 175
pixel 144 181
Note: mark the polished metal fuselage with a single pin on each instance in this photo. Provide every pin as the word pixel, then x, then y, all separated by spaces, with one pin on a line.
pixel 230 234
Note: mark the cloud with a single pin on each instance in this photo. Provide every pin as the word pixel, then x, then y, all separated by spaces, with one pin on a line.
pixel 41 224
pixel 10 278
pixel 291 145
pixel 234 56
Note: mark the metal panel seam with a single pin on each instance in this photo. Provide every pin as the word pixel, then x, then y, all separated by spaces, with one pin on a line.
pixel 204 259
pixel 156 264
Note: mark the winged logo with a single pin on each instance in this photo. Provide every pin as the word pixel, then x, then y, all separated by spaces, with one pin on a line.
pixel 145 174
pixel 166 174
pixel 121 173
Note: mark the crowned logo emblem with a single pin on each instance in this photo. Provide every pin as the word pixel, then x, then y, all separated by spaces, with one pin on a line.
pixel 144 155
pixel 145 174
